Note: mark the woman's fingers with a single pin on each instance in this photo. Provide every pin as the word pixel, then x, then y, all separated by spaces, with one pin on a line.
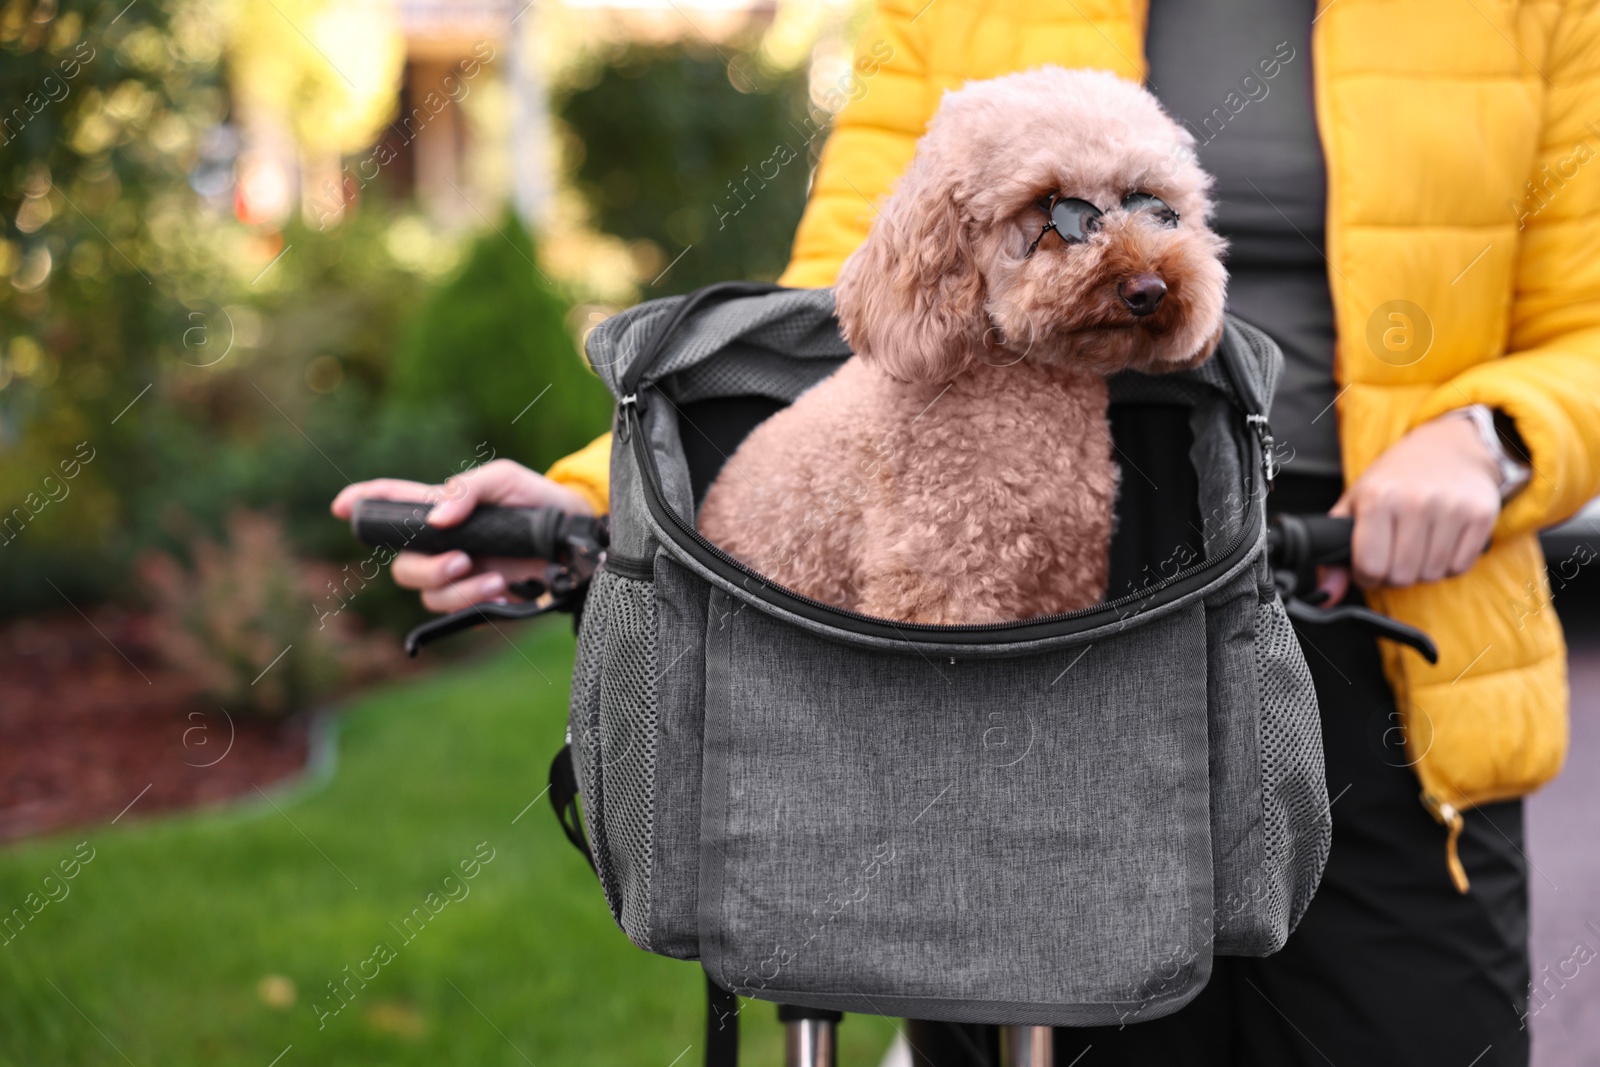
pixel 1450 521
pixel 382 489
pixel 1333 583
pixel 413 570
pixel 451 581
pixel 1413 525
pixel 506 483
pixel 498 482
pixel 1425 508
pixel 474 589
pixel 1371 542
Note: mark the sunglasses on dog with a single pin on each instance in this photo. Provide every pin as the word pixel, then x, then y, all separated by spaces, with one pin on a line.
pixel 1076 219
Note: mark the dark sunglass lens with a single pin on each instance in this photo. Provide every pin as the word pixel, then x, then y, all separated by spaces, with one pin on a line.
pixel 1075 219
pixel 1152 206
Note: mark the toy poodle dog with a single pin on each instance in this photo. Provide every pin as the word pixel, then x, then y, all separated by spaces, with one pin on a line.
pixel 958 469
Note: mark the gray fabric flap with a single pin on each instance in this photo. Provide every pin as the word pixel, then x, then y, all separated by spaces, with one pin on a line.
pixel 1253 360
pixel 797 323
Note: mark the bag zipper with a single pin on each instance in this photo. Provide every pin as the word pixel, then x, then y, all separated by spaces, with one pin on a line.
pixel 1161 592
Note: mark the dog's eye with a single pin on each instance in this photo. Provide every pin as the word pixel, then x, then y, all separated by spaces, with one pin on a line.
pixel 1075 219
pixel 1155 207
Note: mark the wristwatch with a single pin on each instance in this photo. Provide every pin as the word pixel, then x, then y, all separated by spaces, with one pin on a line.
pixel 1515 472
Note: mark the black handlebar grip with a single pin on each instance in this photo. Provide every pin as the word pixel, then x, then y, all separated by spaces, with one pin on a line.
pixel 1327 539
pixel 1300 543
pixel 531 533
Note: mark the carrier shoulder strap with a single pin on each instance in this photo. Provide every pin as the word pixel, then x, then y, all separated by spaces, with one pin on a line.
pixel 669 325
pixel 564 795
pixel 722 1026
pixel 722 1007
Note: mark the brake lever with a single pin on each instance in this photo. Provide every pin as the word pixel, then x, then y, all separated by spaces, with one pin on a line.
pixel 565 584
pixel 1379 625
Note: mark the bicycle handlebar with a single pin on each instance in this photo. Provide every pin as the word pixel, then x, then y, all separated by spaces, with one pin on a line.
pixel 1296 546
pixel 526 533
pixel 1302 542
pixel 573 545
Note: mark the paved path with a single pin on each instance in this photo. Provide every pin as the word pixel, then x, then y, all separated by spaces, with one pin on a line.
pixel 1564 847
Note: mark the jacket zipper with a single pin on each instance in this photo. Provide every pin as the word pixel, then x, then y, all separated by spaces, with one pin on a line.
pixel 1155 595
pixel 1449 816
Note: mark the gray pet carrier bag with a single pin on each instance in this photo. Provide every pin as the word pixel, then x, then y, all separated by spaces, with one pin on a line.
pixel 1051 822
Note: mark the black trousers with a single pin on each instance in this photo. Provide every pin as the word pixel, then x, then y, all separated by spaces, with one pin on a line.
pixel 1390 965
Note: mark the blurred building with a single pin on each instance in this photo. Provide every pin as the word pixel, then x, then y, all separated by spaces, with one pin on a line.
pixel 453 47
pixel 465 84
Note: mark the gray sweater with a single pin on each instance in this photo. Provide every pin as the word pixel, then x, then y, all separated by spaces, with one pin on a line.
pixel 1237 73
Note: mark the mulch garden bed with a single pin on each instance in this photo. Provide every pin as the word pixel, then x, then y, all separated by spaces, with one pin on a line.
pixel 94 729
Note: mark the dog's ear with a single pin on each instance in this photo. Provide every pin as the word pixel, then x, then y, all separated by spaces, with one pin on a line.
pixel 911 298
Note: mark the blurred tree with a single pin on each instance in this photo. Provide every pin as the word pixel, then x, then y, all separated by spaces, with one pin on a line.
pixel 101 109
pixel 202 363
pixel 494 342
pixel 701 156
pixel 101 113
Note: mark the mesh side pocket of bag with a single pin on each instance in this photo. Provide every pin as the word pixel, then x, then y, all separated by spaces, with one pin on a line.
pixel 1296 823
pixel 626 722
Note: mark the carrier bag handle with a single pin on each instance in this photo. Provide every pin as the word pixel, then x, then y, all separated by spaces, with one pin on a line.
pixel 669 325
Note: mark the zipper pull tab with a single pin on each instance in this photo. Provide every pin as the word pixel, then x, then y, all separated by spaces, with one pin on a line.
pixel 1446 815
pixel 628 405
pixel 1269 447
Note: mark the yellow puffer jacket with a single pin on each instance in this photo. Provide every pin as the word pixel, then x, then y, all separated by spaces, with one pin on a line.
pixel 1461 143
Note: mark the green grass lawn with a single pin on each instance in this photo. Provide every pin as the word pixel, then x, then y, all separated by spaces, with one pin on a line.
pixel 156 954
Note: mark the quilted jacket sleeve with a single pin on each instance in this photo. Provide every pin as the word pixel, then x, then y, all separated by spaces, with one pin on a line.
pixel 588 471
pixel 871 144
pixel 1549 380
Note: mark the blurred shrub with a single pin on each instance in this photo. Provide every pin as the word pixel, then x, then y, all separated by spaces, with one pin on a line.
pixel 680 147
pixel 104 109
pixel 282 420
pixel 493 343
pixel 102 115
pixel 206 363
pixel 243 620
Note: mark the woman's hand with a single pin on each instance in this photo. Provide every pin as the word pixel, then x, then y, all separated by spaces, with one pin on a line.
pixel 451 581
pixel 1423 511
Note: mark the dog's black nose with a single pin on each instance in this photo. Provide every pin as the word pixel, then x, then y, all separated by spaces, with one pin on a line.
pixel 1142 293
